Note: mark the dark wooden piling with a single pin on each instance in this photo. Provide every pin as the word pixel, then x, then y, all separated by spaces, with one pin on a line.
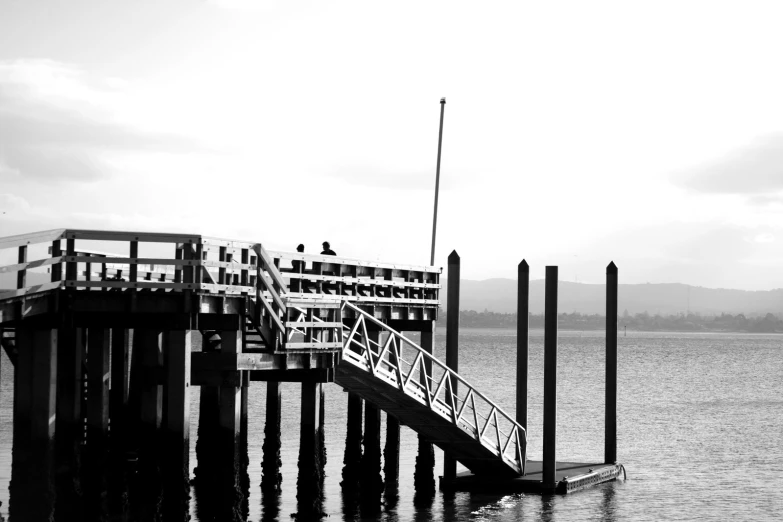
pixel 550 379
pixel 452 344
pixel 271 478
pixel 68 424
pixel 352 458
pixel 244 456
pixel 322 430
pixel 610 437
pixel 391 453
pixel 207 480
pixel 20 495
pixel 98 388
pixel 372 482
pixel 177 432
pixel 523 339
pixel 424 471
pixel 309 492
pixel 95 465
pixel 119 392
pixel 35 388
pixel 149 343
pixel 229 434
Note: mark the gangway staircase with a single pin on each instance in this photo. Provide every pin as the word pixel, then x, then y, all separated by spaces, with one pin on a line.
pixel 391 371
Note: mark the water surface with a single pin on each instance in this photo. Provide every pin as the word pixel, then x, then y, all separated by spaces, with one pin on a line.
pixel 700 418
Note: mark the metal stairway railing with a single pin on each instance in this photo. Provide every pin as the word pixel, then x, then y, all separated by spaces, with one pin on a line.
pixel 399 363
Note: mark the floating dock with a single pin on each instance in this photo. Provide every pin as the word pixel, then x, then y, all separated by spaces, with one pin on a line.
pixel 569 477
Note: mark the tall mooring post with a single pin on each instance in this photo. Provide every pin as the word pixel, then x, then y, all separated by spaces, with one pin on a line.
pixel 610 438
pixel 452 345
pixel 550 379
pixel 523 340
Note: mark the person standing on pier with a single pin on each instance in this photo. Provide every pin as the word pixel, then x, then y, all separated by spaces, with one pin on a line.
pixel 298 267
pixel 327 250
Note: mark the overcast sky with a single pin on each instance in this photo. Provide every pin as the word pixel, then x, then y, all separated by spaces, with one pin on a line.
pixel 648 133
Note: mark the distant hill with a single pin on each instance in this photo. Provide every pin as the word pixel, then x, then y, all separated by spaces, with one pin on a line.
pixel 500 295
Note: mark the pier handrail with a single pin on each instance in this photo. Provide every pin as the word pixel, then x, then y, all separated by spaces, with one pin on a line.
pixel 359 351
pixel 198 268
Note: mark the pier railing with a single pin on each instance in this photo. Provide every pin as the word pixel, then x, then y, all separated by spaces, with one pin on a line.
pixel 399 362
pixel 90 260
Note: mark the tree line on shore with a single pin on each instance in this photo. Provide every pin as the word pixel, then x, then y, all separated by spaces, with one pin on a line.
pixel 682 322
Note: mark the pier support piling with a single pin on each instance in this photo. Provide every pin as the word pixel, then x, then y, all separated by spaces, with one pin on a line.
pixel 230 423
pixel 271 478
pixel 177 434
pixel 68 424
pixel 309 492
pixel 550 379
pixel 35 389
pixel 371 481
pixel 352 459
pixel 424 471
pixel 119 392
pixel 97 388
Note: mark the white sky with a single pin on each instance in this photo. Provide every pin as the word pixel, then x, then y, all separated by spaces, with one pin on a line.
pixel 648 133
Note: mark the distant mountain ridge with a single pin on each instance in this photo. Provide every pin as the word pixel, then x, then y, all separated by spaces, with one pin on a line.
pixel 500 295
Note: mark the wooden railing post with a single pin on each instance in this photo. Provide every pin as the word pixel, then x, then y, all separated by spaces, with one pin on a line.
pixel 57 268
pixel 133 273
pixel 198 275
pixel 550 379
pixel 610 438
pixel 244 273
pixel 178 254
pixel 70 267
pixel 222 269
pixel 21 276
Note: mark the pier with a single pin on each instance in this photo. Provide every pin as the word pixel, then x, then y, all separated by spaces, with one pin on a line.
pixel 100 329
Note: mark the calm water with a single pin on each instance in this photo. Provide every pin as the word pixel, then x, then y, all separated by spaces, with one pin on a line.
pixel 699 430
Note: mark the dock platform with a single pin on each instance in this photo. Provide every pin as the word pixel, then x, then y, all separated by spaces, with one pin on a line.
pixel 570 477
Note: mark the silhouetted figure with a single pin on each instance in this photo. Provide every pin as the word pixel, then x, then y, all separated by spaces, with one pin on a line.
pixel 298 267
pixel 327 250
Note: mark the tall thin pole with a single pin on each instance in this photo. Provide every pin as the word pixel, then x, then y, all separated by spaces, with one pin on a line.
pixel 437 181
pixel 523 339
pixel 610 438
pixel 550 379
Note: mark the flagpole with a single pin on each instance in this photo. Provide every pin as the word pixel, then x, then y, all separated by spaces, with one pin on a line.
pixel 437 182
